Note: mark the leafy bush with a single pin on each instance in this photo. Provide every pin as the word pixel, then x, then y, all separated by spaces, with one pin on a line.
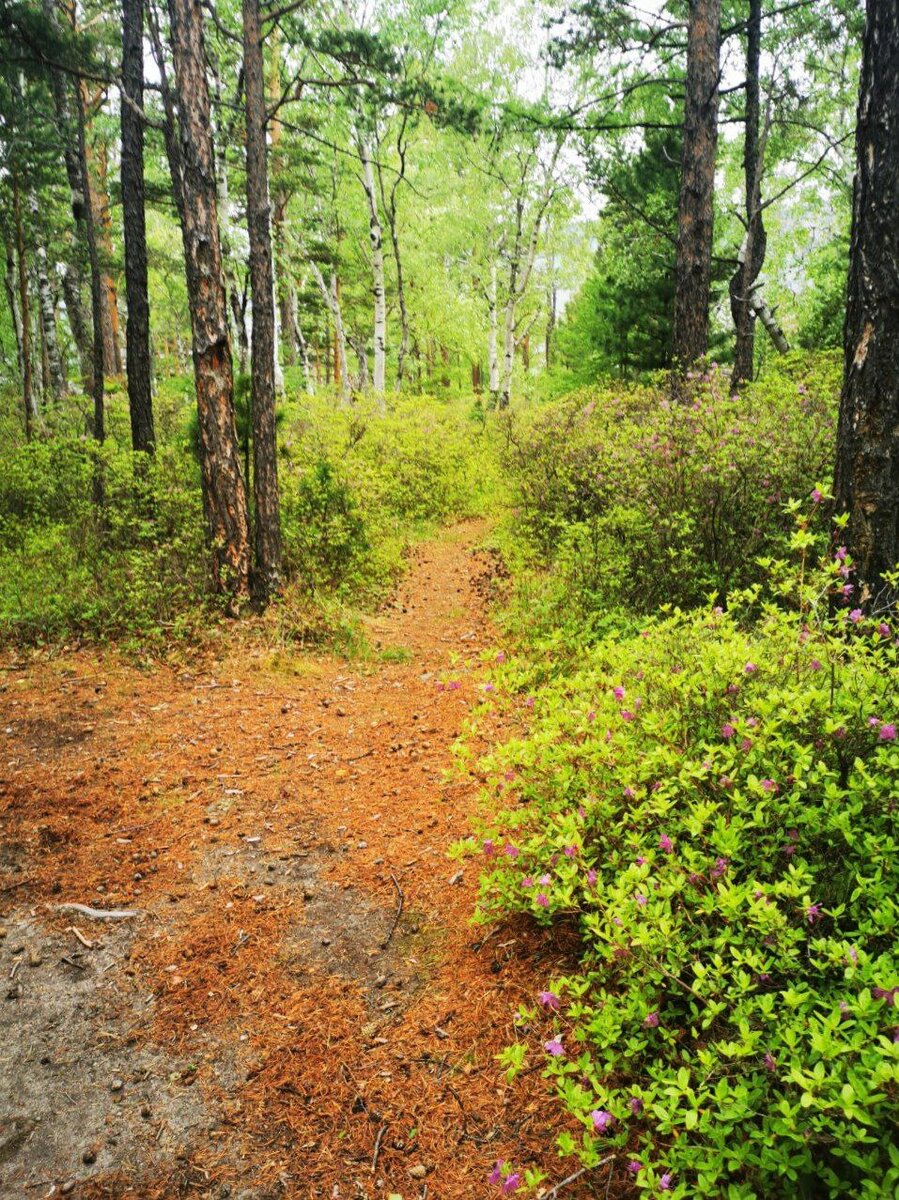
pixel 713 803
pixel 137 567
pixel 324 533
pixel 637 501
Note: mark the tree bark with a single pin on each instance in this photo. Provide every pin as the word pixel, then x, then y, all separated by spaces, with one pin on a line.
pixel 752 251
pixel 137 343
pixel 379 373
pixel 867 467
pixel 331 297
pixel 78 323
pixel 29 400
pixel 267 513
pixel 551 308
pixel 695 216
pixel 47 308
pixel 98 199
pixel 492 337
pixel 224 491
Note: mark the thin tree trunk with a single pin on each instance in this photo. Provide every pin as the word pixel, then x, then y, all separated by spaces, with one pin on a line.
pixel 551 307
pixel 29 400
pixel 379 374
pixel 90 233
pixel 331 297
pixel 137 344
pixel 224 491
pixel 78 323
pixel 505 395
pixel 303 346
pixel 9 280
pixel 267 512
pixel 285 296
pixel 492 337
pixel 752 251
pixel 98 200
pixel 47 307
pixel 867 467
pixel 693 263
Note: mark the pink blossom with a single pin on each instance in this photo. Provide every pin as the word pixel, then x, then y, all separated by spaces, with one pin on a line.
pixel 510 1184
pixel 651 1020
pixel 543 899
pixel 529 702
pixel 855 616
pixel 665 1182
pixel 554 1047
pixel 627 715
pixel 887 733
pixel 548 1001
pixel 591 877
pixel 489 848
pixel 602 1119
pixel 750 668
pixel 569 851
pixel 727 730
pixel 618 693
pixel 817 496
pixel 634 1167
pixel 665 843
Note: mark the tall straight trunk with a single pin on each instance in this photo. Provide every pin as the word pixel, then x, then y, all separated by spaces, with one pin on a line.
pixel 29 400
pixel 9 282
pixel 867 466
pixel 401 298
pixel 78 323
pixel 267 513
pixel 73 275
pixel 95 169
pixel 285 295
pixel 552 301
pixel 93 257
pixel 224 491
pixel 47 307
pixel 752 251
pixel 331 296
pixel 303 346
pixel 379 373
pixel 137 344
pixel 505 395
pixel 695 214
pixel 492 338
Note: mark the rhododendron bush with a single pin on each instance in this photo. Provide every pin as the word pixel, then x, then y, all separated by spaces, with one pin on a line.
pixel 713 802
pixel 636 500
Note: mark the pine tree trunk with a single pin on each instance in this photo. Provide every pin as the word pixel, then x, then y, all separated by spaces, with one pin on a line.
pixel 93 257
pixel 137 344
pixel 867 467
pixel 331 297
pixel 267 513
pixel 752 251
pixel 505 395
pixel 379 374
pixel 78 323
pixel 98 202
pixel 224 491
pixel 693 264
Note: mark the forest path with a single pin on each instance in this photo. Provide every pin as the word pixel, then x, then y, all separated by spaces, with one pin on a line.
pixel 264 814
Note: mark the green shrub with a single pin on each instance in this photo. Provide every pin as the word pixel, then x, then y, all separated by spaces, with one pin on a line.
pixel 636 501
pixel 712 803
pixel 324 534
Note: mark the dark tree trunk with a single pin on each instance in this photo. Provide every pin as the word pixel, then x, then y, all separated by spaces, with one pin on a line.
pixel 28 397
pixel 476 378
pixel 90 237
pixel 137 344
pixel 752 251
pixel 867 467
pixel 267 515
pixel 193 169
pixel 695 214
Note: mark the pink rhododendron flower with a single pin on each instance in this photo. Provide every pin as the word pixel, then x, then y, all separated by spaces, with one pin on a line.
pixel 634 1167
pixel 651 1021
pixel 887 733
pixel 727 730
pixel 750 668
pixel 618 693
pixel 554 1047
pixel 855 616
pixel 489 848
pixel 665 843
pixel 549 1001
pixel 602 1120
pixel 510 1184
pixel 543 899
pixel 510 850
pixel 591 877
pixel 813 913
pixel 665 1183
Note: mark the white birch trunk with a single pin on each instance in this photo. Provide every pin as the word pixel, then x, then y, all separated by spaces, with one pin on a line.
pixel 276 337
pixel 379 373
pixel 492 343
pixel 58 384
pixel 330 297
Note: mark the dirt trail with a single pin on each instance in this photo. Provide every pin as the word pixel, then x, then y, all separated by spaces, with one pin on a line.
pixel 248 1034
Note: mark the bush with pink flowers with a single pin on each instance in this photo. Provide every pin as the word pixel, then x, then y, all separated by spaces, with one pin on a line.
pixel 713 804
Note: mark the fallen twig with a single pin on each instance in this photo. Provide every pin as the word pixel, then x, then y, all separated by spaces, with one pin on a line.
pixel 100 914
pixel 86 942
pixel 378 1138
pixel 554 1191
pixel 398 914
